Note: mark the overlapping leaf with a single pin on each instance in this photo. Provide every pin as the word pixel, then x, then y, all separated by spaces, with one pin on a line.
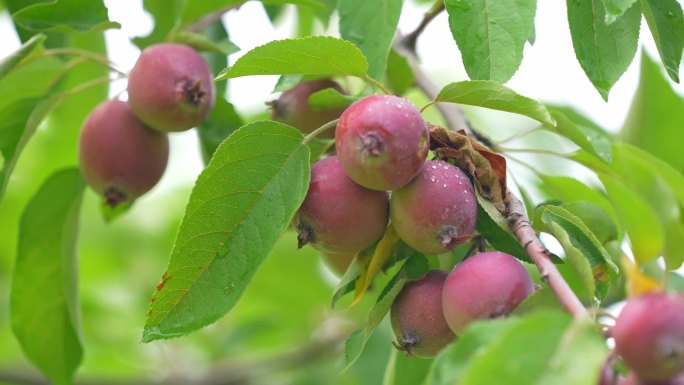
pixel 242 202
pixel 491 35
pixel 603 50
pixel 310 55
pixel 370 25
pixel 44 299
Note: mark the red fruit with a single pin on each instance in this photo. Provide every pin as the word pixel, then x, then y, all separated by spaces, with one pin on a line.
pixel 417 318
pixel 170 88
pixel 120 157
pixel 338 215
pixel 437 210
pixel 292 107
pixel 382 140
pixel 486 285
pixel 649 336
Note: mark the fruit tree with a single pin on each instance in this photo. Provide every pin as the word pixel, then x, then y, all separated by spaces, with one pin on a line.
pixel 397 192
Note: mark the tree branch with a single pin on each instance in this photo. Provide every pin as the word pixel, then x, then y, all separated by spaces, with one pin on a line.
pixel 409 41
pixel 520 224
pixel 453 116
pixel 238 373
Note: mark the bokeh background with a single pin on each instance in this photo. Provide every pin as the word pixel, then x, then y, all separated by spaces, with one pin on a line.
pixel 283 331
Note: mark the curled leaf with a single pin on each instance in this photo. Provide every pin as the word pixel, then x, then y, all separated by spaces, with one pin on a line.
pixel 487 168
pixel 382 253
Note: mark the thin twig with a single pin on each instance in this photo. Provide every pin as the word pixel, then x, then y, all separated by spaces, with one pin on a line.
pixel 229 374
pixel 320 129
pixel 453 116
pixel 81 53
pixel 520 224
pixel 411 38
pixel 377 84
pixel 211 18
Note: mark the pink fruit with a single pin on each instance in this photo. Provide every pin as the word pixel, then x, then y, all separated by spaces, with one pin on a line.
pixel 292 107
pixel 338 215
pixel 382 141
pixel 170 88
pixel 649 336
pixel 120 157
pixel 437 210
pixel 417 318
pixel 486 285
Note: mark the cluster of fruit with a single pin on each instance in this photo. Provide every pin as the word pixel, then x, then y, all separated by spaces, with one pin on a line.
pixel 380 175
pixel 124 147
pixel 381 144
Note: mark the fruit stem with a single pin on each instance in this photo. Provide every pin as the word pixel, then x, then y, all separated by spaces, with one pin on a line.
pixel 320 129
pixel 85 54
pixel 409 41
pixel 520 224
pixel 377 84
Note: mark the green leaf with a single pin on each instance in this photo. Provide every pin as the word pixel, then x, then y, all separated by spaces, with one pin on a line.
pixel 203 43
pixel 586 137
pixel 20 123
pixel 308 55
pixel 604 51
pixel 615 8
pixel 222 121
pixel 646 233
pixel 65 16
pixel 195 9
pixel 329 98
pixel 489 94
pixel 655 116
pixel 414 268
pixel 582 249
pixel 44 296
pixel 452 362
pixel 166 15
pixel 241 204
pixel 570 189
pixel 492 225
pixel 403 369
pixel 318 147
pixel 542 348
pixel 666 22
pixel 660 190
pixel 491 35
pixel 399 73
pixel 370 25
pixel 27 49
pixel 541 299
pixel 595 218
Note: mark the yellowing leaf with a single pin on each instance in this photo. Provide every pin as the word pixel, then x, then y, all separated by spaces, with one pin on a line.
pixel 383 252
pixel 638 283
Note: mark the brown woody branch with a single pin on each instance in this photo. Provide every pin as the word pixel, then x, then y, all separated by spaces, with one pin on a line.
pixel 517 218
pixel 520 224
pixel 244 373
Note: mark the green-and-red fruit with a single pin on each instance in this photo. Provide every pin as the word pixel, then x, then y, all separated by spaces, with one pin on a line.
pixel 437 210
pixel 338 215
pixel 486 285
pixel 382 141
pixel 292 107
pixel 120 157
pixel 417 318
pixel 649 336
pixel 171 88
